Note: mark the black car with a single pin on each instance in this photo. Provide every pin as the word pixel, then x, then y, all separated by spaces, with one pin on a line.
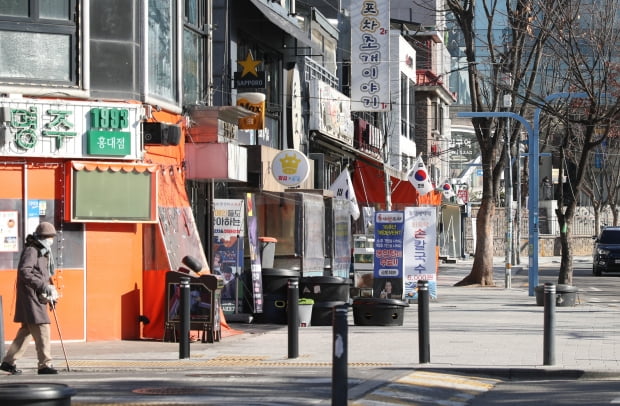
pixel 606 252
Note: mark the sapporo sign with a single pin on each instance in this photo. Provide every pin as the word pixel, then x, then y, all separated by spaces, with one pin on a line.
pixel 68 129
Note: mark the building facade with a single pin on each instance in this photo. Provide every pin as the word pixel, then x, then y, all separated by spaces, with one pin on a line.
pixel 124 122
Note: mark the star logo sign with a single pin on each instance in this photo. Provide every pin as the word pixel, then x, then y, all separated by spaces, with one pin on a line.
pixel 249 65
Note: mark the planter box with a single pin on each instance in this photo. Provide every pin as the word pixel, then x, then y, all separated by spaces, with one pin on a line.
pixel 565 295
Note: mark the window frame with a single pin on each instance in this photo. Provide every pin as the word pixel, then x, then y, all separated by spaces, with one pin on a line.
pixel 173 105
pixel 200 30
pixel 78 34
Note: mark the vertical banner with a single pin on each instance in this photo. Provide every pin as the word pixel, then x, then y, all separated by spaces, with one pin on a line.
pixel 228 233
pixel 370 55
pixel 255 259
pixel 388 265
pixel 420 241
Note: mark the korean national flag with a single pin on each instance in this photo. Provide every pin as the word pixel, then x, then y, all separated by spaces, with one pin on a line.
pixel 343 189
pixel 418 176
pixel 447 190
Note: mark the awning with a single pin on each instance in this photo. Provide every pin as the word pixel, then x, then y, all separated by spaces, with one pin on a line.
pixel 113 166
pixel 369 185
pixel 282 22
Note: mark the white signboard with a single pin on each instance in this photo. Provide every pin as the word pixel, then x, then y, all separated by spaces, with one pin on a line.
pixel 370 55
pixel 330 112
pixel 69 129
pixel 420 241
pixel 290 167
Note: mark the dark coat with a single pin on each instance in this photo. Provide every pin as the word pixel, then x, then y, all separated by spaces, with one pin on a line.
pixel 32 278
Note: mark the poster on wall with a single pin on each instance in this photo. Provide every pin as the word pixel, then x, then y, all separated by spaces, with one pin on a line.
pixel 228 233
pixel 8 231
pixel 255 259
pixel 388 255
pixel 36 210
pixel 420 241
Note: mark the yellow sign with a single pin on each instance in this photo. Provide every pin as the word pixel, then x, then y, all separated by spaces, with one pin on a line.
pixel 249 65
pixel 254 102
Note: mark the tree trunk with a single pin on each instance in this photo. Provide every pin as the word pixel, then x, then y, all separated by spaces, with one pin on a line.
pixel 566 262
pixel 482 269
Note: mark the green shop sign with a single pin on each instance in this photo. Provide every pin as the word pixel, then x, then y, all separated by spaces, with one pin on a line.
pixel 106 135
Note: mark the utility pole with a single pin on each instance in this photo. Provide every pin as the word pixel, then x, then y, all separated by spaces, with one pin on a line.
pixel 508 189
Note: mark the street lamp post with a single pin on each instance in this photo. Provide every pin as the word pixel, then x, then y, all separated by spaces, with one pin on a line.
pixel 533 132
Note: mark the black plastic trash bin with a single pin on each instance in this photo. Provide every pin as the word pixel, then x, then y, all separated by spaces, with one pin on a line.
pixel 565 295
pixel 39 394
pixel 372 311
pixel 323 313
pixel 275 293
pixel 325 288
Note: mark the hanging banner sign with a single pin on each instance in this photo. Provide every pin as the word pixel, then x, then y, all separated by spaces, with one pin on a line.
pixel 388 255
pixel 370 55
pixel 420 241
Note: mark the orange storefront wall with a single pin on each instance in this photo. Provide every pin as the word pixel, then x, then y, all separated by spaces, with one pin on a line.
pixel 43 180
pixel 100 302
pixel 114 281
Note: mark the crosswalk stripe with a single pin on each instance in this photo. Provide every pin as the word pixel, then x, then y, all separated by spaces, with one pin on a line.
pixel 428 388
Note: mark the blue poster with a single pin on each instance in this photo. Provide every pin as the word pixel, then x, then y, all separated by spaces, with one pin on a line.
pixel 388 264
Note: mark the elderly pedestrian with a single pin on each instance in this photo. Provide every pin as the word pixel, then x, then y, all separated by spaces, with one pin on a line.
pixel 35 290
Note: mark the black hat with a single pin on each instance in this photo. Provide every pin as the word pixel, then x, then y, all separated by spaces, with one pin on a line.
pixel 45 229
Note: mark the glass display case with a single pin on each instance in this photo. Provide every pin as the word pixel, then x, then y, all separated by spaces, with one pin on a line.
pixel 363 264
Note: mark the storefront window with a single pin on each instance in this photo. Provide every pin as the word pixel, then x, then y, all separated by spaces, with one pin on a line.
pixel 39 41
pixel 162 48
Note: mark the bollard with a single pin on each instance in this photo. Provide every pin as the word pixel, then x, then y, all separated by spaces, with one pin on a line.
pixel 339 356
pixel 423 324
pixel 185 314
pixel 549 333
pixel 293 318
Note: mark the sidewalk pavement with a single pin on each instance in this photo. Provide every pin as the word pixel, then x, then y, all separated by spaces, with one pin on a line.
pixel 490 329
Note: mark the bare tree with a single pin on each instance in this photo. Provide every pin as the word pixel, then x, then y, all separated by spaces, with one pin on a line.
pixel 602 179
pixel 491 55
pixel 584 46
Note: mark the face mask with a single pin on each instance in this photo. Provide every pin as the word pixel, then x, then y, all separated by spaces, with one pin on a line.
pixel 50 241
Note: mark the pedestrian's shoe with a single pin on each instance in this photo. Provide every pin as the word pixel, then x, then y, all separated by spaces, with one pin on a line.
pixel 11 369
pixel 47 371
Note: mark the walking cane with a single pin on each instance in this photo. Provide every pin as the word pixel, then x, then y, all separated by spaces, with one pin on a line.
pixel 53 306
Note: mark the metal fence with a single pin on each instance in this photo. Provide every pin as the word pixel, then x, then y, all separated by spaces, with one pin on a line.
pixel 583 223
